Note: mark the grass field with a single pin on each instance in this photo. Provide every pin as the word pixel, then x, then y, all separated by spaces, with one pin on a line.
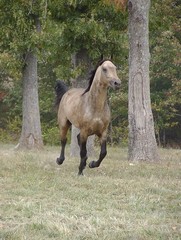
pixel 119 200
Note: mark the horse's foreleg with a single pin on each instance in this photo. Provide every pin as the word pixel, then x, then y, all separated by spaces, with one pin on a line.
pixel 102 155
pixel 83 153
pixel 63 144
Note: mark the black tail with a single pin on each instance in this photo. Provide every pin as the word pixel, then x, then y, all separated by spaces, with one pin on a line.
pixel 60 90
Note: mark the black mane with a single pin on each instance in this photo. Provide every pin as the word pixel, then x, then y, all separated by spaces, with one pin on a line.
pixel 92 74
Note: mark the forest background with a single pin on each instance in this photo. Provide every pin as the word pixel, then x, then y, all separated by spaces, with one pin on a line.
pixel 95 28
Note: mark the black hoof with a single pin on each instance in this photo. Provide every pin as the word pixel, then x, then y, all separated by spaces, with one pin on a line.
pixel 92 164
pixel 59 161
pixel 80 174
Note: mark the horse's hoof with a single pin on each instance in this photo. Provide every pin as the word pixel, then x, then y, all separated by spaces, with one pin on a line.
pixel 92 164
pixel 80 174
pixel 59 161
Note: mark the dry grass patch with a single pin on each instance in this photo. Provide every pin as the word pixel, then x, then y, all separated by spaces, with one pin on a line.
pixel 41 200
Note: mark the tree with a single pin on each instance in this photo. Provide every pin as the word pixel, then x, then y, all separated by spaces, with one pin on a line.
pixel 24 17
pixel 31 136
pixel 142 142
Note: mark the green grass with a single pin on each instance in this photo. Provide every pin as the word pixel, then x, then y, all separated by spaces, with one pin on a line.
pixel 41 200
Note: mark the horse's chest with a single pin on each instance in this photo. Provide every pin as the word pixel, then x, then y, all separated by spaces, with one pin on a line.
pixel 97 122
pixel 97 125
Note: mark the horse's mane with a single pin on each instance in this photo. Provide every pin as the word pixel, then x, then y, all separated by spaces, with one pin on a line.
pixel 92 74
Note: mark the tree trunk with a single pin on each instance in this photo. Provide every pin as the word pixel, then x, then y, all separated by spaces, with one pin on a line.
pixel 142 142
pixel 31 136
pixel 82 59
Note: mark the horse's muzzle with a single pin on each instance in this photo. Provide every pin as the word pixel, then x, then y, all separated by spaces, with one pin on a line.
pixel 115 83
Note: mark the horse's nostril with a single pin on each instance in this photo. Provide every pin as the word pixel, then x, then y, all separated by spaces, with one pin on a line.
pixel 116 83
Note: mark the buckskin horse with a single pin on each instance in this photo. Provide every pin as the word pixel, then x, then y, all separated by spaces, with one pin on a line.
pixel 88 110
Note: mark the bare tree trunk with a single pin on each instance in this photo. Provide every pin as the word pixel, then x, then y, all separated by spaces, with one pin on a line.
pixel 142 142
pixel 31 136
pixel 81 58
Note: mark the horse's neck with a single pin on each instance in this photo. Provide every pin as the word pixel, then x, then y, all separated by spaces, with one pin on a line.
pixel 98 94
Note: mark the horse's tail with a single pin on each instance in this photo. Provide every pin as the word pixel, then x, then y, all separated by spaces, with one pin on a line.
pixel 60 90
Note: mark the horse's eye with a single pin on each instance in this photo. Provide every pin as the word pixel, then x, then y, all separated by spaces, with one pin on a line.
pixel 104 70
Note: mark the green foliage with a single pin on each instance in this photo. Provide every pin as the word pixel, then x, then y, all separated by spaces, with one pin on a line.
pixel 50 134
pixel 13 100
pixel 100 28
pixel 165 68
pixel 10 107
pixel 21 16
pixel 119 104
pixel 12 131
pixel 9 67
pixel 5 136
pixel 91 25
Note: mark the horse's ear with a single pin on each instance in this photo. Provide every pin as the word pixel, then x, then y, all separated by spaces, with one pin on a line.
pixel 102 57
pixel 111 56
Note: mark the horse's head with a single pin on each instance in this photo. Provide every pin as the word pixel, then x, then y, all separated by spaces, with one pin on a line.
pixel 109 75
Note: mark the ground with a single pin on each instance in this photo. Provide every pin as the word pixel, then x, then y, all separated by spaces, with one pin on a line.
pixel 119 200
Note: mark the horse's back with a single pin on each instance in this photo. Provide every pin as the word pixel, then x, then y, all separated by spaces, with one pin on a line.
pixel 72 97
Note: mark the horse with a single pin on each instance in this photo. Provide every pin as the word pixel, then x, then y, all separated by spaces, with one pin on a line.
pixel 88 110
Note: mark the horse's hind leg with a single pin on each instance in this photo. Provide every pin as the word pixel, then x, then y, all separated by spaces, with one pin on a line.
pixel 64 130
pixel 82 141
